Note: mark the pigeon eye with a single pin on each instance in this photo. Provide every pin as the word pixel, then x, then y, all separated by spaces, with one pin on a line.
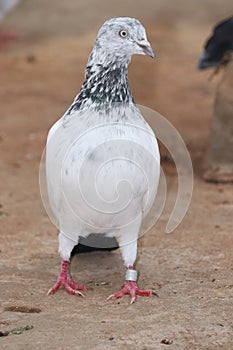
pixel 123 33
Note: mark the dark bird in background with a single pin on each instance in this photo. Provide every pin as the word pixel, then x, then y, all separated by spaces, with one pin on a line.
pixel 218 48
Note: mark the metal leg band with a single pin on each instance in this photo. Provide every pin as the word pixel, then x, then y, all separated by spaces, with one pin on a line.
pixel 131 275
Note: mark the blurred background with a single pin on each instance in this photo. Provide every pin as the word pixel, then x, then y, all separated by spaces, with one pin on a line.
pixel 41 71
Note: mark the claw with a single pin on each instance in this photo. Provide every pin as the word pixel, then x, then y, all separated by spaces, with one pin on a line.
pixel 79 293
pixel 131 288
pixel 50 291
pixel 155 294
pixel 132 300
pixel 66 281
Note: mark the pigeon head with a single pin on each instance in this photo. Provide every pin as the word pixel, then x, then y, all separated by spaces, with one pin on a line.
pixel 118 39
pixel 106 79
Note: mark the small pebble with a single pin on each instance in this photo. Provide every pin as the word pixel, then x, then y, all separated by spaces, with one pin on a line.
pixel 31 58
pixel 4 334
pixel 97 284
pixel 166 341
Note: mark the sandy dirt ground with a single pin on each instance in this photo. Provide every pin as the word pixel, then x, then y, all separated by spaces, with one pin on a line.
pixel 191 268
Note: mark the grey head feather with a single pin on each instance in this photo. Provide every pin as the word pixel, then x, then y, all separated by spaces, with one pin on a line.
pixel 106 79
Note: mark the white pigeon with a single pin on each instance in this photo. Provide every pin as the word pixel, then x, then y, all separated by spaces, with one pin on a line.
pixel 102 158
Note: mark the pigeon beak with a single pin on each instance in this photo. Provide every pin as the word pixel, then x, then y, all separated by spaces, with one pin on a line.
pixel 205 61
pixel 201 61
pixel 147 49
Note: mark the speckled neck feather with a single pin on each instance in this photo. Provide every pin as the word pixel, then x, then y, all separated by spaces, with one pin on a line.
pixel 103 85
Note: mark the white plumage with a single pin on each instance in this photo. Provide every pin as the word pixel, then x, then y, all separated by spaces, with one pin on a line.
pixel 102 158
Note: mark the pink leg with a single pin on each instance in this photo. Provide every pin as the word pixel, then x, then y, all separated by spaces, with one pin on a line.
pixel 65 280
pixel 131 288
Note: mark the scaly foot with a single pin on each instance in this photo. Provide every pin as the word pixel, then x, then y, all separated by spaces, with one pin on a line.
pixel 65 280
pixel 131 288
